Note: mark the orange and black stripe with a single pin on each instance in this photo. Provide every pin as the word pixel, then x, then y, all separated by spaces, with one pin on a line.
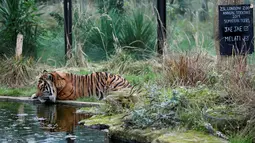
pixel 71 86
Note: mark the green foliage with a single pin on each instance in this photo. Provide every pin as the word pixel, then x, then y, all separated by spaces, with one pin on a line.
pixel 182 8
pixel 84 72
pixel 187 36
pixel 138 34
pixel 172 107
pixel 100 35
pixel 103 33
pixel 18 16
pixel 58 18
pixel 50 48
pixel 241 139
pixel 197 99
pixel 141 79
pixel 104 6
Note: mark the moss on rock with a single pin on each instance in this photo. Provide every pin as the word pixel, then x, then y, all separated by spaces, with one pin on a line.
pixel 103 119
pixel 188 137
pixel 149 134
pixel 89 110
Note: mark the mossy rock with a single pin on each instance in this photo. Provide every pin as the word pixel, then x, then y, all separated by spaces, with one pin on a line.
pixel 89 110
pixel 225 118
pixel 137 135
pixel 103 119
pixel 166 135
pixel 117 131
pixel 188 137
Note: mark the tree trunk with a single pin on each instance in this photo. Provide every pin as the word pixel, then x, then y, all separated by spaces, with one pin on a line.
pixel 161 9
pixel 226 62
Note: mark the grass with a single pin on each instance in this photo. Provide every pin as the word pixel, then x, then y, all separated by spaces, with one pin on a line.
pixel 27 91
pixel 241 139
pixel 141 79
pixel 88 99
pixel 83 72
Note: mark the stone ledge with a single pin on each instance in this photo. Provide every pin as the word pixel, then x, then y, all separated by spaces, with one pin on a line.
pixel 67 102
pixel 149 135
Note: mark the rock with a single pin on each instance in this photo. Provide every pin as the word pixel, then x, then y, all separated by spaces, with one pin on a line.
pixel 89 111
pixel 188 137
pixel 225 118
pixel 22 115
pixel 167 135
pixel 70 137
pixel 99 126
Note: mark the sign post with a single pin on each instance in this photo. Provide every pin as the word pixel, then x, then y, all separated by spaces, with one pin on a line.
pixel 161 7
pixel 68 27
pixel 236 29
pixel 233 32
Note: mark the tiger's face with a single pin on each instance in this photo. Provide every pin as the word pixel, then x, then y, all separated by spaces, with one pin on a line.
pixel 46 89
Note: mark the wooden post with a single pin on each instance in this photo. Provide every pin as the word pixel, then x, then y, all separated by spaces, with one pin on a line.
pixel 227 62
pixel 19 45
pixel 161 7
pixel 68 27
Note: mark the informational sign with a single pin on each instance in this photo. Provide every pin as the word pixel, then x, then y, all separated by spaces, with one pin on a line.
pixel 236 29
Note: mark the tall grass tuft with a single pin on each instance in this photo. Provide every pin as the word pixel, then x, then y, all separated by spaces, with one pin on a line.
pixel 187 70
pixel 17 72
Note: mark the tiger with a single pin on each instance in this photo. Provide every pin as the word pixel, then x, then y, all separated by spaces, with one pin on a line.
pixel 57 85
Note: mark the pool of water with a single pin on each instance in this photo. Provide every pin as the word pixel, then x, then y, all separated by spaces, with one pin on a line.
pixel 55 123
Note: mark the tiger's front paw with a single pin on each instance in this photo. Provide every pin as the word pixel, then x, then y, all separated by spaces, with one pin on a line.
pixel 33 96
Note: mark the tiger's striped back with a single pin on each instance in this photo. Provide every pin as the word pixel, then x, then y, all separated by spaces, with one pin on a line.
pixel 98 84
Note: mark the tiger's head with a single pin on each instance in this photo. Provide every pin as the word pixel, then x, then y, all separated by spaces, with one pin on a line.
pixel 46 89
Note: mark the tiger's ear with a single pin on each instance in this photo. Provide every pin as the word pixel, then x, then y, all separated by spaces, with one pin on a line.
pixel 45 72
pixel 59 80
pixel 60 76
pixel 50 76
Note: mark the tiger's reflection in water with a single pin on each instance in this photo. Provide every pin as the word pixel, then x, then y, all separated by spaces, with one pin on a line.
pixel 59 118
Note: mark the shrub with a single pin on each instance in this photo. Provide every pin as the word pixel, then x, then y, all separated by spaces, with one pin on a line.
pixel 158 110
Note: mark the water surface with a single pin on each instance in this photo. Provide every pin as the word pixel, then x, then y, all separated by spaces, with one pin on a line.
pixel 27 122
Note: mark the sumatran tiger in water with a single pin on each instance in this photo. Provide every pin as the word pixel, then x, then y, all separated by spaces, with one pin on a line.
pixel 68 86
